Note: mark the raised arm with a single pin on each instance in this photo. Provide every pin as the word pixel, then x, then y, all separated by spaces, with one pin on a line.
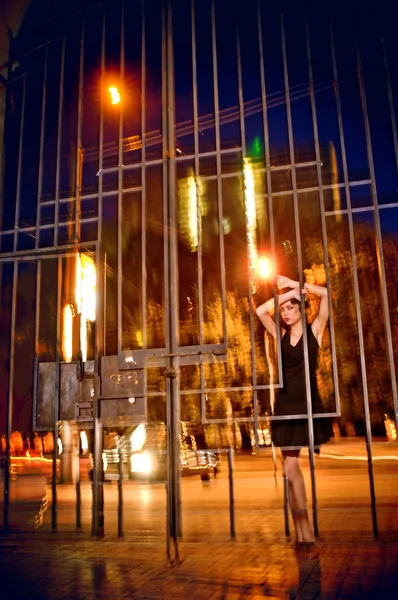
pixel 319 323
pixel 265 311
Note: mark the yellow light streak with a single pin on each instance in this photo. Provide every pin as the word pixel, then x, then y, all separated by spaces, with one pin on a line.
pixel 192 209
pixel 192 212
pixel 88 287
pixel 67 333
pixel 31 458
pixel 115 94
pixel 86 296
pixel 251 220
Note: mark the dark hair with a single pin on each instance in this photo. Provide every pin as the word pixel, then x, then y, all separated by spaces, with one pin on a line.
pixel 292 300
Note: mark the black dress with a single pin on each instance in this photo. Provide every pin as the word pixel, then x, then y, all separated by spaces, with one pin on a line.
pixel 292 399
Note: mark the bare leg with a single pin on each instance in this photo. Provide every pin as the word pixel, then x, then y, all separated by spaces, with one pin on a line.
pixel 297 497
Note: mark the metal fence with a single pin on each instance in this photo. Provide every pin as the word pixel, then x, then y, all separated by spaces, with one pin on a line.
pixel 241 132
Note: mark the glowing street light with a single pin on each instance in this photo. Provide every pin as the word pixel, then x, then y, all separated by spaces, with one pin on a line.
pixel 264 268
pixel 115 94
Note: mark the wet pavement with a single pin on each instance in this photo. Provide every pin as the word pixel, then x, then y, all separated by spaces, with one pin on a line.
pixel 71 566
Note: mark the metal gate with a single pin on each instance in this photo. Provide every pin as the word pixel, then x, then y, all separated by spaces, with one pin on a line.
pixel 157 155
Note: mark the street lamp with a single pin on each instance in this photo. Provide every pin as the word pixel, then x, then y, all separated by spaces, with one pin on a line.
pixel 264 268
pixel 114 94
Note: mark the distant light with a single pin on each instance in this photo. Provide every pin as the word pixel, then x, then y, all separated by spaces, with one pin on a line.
pixel 256 150
pixel 84 441
pixel 265 269
pixel 115 94
pixel 138 438
pixel 141 463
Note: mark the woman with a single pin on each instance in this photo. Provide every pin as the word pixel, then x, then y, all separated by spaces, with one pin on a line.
pixel 292 434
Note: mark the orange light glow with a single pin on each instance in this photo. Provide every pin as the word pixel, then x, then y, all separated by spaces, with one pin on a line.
pixel 115 94
pixel 265 269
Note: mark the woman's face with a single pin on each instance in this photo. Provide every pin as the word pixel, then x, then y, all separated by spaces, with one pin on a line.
pixel 290 313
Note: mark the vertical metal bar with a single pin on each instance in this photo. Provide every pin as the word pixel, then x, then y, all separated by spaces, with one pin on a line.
pixel 250 290
pixel 120 496
pixel 98 488
pixel 286 504
pixel 41 147
pixel 120 198
pixel 172 383
pixel 391 104
pixel 78 504
pixel 379 253
pixel 98 491
pixel 218 169
pixel 395 138
pixel 79 149
pixel 143 189
pixel 104 305
pixel 167 282
pixel 269 182
pixel 355 280
pixel 37 331
pixel 323 219
pixel 59 139
pixel 198 203
pixel 300 268
pixel 143 182
pixel 101 133
pixel 231 493
pixel 57 396
pixel 10 403
pixel 19 171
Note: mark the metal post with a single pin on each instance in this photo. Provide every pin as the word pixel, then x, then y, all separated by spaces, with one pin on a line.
pixel 356 286
pixel 37 354
pixel 219 169
pixel 98 474
pixel 198 204
pixel 323 220
pixel 120 200
pixel 250 287
pixel 286 504
pixel 78 504
pixel 300 268
pixel 10 402
pixel 231 493
pixel 120 496
pixel 57 395
pixel 173 446
pixel 269 186
pixel 98 489
pixel 41 151
pixel 59 142
pixel 379 247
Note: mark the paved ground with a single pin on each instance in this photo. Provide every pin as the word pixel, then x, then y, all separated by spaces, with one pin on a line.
pixel 67 566
pixel 346 563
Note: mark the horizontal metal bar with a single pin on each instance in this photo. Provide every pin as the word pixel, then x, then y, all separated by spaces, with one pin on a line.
pixel 234 150
pixel 345 211
pixel 332 186
pixel 46 253
pixel 286 167
pixel 209 420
